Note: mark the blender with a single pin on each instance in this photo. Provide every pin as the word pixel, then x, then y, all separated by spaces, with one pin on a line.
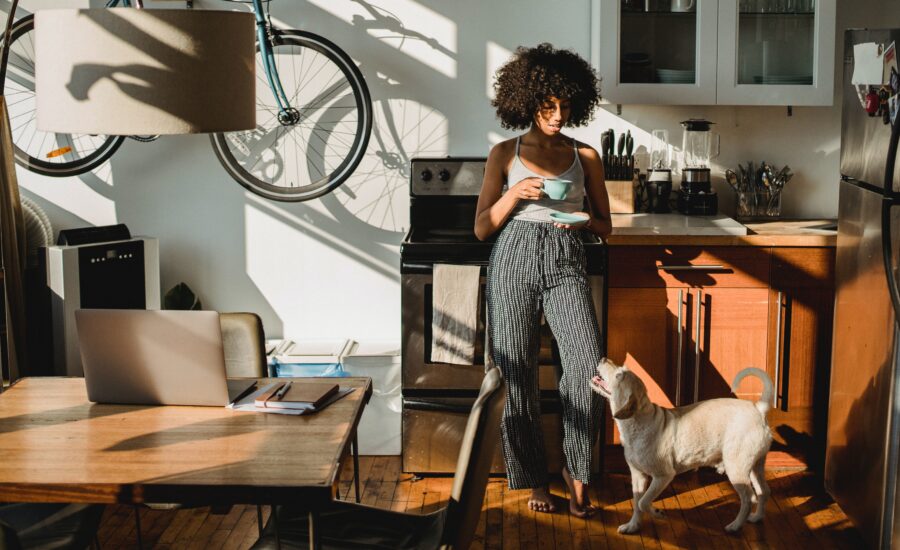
pixel 699 146
pixel 659 184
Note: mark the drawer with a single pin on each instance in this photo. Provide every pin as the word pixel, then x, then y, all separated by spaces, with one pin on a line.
pixel 688 266
pixel 802 267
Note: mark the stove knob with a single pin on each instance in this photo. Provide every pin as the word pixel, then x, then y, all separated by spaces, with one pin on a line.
pixel 444 174
pixel 425 175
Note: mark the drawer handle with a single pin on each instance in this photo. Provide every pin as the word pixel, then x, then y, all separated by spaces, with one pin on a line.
pixel 678 358
pixel 697 350
pixel 708 267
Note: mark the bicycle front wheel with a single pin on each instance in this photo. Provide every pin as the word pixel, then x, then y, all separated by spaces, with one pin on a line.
pixel 298 160
pixel 47 153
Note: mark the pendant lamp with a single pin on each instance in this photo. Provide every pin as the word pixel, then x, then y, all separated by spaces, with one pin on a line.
pixel 128 71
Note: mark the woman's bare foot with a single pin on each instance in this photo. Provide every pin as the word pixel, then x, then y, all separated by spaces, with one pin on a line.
pixel 579 499
pixel 541 500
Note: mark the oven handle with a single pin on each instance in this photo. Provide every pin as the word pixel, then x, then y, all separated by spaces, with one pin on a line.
pixel 548 406
pixel 407 268
pixel 432 406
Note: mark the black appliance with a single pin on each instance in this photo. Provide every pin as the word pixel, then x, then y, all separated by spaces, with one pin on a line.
pixel 437 397
pixel 863 444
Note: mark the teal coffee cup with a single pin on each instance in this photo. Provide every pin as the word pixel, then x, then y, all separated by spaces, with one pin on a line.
pixel 557 189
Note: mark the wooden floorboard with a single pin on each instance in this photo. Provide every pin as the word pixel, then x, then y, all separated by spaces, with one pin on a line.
pixel 696 508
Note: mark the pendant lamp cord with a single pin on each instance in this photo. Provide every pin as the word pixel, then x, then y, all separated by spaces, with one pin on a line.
pixel 6 40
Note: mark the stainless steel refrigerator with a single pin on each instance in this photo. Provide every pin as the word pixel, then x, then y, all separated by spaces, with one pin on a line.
pixel 863 447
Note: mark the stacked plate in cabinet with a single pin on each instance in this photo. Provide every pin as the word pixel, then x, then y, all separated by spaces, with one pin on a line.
pixel 784 80
pixel 675 76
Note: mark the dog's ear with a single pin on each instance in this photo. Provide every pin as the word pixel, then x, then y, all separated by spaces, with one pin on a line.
pixel 627 410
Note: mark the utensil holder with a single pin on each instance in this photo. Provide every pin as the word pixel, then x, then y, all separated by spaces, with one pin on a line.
pixel 757 205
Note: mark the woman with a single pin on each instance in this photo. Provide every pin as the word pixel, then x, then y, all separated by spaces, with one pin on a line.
pixel 537 264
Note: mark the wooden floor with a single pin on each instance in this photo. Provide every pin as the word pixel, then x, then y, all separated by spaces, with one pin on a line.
pixel 698 506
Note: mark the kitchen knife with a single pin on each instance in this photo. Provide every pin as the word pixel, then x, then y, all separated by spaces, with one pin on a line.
pixel 629 155
pixel 604 146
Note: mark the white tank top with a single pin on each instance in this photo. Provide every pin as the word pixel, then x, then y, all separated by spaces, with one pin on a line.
pixel 539 210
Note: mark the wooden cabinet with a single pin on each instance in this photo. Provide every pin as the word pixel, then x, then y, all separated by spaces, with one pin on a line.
pixel 688 319
pixel 706 52
pixel 800 326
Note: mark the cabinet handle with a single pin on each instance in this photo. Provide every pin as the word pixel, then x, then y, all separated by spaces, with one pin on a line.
pixel 706 267
pixel 697 350
pixel 777 353
pixel 679 359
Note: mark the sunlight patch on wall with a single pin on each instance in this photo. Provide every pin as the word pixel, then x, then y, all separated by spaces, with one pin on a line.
pixel 306 273
pixel 417 31
pixel 378 191
pixel 494 138
pixel 73 195
pixel 497 55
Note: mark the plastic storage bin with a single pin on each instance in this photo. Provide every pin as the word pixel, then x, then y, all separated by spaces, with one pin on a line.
pixel 379 427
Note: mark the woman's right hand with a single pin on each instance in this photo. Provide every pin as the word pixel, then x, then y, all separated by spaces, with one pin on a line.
pixel 528 189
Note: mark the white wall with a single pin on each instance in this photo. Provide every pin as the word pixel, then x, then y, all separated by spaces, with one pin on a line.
pixel 329 267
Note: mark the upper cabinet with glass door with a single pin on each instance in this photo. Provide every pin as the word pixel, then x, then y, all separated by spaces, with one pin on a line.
pixel 776 52
pixel 708 52
pixel 656 51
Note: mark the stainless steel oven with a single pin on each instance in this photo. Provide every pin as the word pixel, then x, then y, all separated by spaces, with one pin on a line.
pixel 438 396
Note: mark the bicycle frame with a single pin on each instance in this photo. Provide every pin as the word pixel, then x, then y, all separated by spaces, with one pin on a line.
pixel 286 113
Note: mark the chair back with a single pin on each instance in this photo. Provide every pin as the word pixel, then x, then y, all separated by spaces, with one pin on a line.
pixel 475 457
pixel 245 345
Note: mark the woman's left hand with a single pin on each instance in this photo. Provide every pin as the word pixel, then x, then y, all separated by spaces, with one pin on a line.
pixel 576 226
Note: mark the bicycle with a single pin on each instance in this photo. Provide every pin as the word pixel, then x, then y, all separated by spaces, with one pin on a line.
pixel 311 132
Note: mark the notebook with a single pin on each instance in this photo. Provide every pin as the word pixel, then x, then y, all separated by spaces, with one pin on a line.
pixel 297 395
pixel 151 357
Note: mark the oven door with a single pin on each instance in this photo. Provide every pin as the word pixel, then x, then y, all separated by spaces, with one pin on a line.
pixel 433 432
pixel 420 372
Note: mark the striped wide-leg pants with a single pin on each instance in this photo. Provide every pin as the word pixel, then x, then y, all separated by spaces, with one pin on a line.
pixel 533 267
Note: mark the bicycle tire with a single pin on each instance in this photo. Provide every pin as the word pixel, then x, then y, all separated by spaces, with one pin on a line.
pixel 83 152
pixel 301 189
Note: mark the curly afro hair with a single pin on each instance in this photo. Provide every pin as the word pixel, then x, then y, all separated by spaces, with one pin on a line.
pixel 535 74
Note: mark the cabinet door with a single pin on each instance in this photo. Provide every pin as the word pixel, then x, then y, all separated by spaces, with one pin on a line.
pixel 656 51
pixel 776 52
pixel 729 334
pixel 801 317
pixel 646 332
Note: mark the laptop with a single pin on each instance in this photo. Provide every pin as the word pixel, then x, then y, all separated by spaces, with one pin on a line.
pixel 154 357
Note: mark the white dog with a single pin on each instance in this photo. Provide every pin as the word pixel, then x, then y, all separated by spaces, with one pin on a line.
pixel 730 435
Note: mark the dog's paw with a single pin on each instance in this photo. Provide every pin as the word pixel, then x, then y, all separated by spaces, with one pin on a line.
pixel 755 518
pixel 629 528
pixel 656 512
pixel 733 527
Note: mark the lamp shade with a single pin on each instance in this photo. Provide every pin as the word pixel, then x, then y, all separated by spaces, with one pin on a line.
pixel 127 71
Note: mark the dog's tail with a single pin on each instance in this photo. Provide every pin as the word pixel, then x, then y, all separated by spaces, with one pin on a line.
pixel 765 402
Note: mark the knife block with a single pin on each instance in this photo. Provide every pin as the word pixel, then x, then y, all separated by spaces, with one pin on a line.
pixel 621 196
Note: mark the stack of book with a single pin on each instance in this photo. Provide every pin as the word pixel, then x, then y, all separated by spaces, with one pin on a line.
pixel 291 397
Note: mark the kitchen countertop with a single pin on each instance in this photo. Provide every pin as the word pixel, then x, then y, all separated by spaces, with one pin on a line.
pixel 677 229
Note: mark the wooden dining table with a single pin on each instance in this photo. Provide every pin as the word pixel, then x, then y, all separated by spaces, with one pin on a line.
pixel 57 446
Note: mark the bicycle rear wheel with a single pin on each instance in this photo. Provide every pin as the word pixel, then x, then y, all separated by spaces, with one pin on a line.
pixel 47 153
pixel 298 161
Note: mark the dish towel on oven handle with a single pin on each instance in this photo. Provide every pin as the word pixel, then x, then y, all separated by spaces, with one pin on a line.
pixel 454 319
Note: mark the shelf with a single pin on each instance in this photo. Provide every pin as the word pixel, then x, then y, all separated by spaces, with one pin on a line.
pixel 805 14
pixel 658 13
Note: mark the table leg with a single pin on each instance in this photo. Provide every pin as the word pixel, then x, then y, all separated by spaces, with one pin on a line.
pixel 314 542
pixel 137 522
pixel 356 465
pixel 275 525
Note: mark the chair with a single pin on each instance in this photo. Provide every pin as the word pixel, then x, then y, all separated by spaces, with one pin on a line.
pixel 245 345
pixel 44 526
pixel 350 525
